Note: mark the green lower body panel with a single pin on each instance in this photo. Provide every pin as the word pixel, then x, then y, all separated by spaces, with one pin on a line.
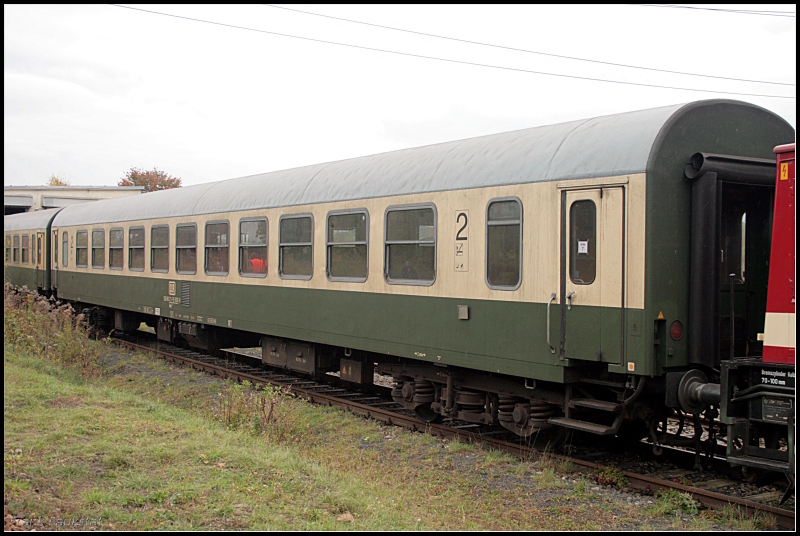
pixel 499 337
pixel 22 276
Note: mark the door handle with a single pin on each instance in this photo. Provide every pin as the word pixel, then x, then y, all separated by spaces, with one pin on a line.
pixel 569 300
pixel 552 297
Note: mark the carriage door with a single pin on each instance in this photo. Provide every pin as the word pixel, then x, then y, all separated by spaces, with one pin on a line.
pixel 54 273
pixel 592 274
pixel 39 270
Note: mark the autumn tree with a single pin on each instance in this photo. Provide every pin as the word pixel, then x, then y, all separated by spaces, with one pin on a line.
pixel 151 180
pixel 55 180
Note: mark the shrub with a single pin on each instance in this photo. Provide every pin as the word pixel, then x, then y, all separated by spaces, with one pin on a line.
pixel 259 409
pixel 47 328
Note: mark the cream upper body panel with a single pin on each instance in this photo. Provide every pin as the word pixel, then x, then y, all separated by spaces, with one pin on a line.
pixel 541 221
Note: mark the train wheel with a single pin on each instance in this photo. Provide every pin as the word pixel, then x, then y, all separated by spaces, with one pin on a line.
pixel 426 413
pixel 523 417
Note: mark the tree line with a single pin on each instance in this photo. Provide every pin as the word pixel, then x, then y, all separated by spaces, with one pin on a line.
pixel 152 180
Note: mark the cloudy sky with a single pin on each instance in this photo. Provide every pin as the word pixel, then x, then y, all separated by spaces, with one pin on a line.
pixel 215 92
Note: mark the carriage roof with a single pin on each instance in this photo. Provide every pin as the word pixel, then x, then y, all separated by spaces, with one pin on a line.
pixel 605 146
pixel 38 219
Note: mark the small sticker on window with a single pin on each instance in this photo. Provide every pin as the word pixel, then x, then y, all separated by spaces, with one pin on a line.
pixel 583 246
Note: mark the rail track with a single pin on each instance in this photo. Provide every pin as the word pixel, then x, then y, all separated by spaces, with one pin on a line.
pixel 375 402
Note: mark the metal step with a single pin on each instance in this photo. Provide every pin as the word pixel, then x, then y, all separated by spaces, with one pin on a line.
pixel 584 426
pixel 604 383
pixel 592 403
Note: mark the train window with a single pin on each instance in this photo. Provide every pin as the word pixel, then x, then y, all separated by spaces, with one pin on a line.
pixel 64 248
pixel 504 244
pixel 136 248
pixel 410 242
pixel 253 247
pixel 116 248
pixel 39 247
pixel 186 248
pixel 296 256
pixel 26 245
pixel 159 248
pixel 16 248
pixel 583 242
pixel 98 248
pixel 217 256
pixel 347 246
pixel 8 248
pixel 82 249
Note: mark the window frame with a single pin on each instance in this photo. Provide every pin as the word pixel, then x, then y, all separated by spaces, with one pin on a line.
pixel 206 247
pixel 8 247
pixel 386 244
pixel 573 255
pixel 24 259
pixel 282 245
pixel 102 264
pixel 15 255
pixel 122 247
pixel 39 246
pixel 142 247
pixel 152 247
pixel 64 252
pixel 78 248
pixel 177 248
pixel 242 246
pixel 329 244
pixel 499 223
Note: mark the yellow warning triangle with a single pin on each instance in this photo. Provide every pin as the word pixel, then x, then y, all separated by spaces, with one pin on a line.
pixel 661 315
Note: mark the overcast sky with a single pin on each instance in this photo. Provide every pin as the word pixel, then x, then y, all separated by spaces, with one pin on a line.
pixel 91 91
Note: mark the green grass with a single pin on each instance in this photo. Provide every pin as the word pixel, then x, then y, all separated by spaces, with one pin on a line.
pixel 733 516
pixel 131 454
pixel 673 502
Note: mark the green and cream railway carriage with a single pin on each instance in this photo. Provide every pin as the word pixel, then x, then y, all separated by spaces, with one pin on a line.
pixel 539 277
pixel 27 244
